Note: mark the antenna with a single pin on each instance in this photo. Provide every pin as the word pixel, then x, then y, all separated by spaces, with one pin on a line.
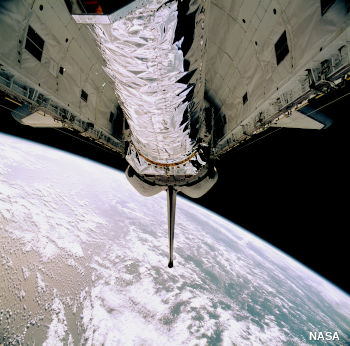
pixel 171 194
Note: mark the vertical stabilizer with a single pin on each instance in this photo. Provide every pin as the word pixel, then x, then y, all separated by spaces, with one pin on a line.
pixel 171 194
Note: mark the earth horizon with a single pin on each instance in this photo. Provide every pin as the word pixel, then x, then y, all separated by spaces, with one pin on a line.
pixel 84 261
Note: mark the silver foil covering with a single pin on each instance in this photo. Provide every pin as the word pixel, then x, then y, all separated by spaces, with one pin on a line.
pixel 147 67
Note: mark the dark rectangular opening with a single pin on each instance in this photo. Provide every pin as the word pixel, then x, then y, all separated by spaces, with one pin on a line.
pixel 34 43
pixel 325 5
pixel 117 120
pixel 84 95
pixel 281 48
pixel 111 116
pixel 245 98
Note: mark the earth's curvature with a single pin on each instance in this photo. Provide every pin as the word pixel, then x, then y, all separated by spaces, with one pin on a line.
pixel 84 261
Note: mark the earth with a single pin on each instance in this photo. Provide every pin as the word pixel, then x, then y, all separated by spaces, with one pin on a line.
pixel 84 261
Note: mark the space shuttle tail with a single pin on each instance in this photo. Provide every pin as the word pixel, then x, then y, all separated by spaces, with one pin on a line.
pixel 171 197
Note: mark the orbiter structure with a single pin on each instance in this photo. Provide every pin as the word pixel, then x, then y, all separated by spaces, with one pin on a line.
pixel 171 85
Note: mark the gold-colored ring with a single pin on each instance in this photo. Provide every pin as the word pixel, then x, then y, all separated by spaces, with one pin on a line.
pixel 165 164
